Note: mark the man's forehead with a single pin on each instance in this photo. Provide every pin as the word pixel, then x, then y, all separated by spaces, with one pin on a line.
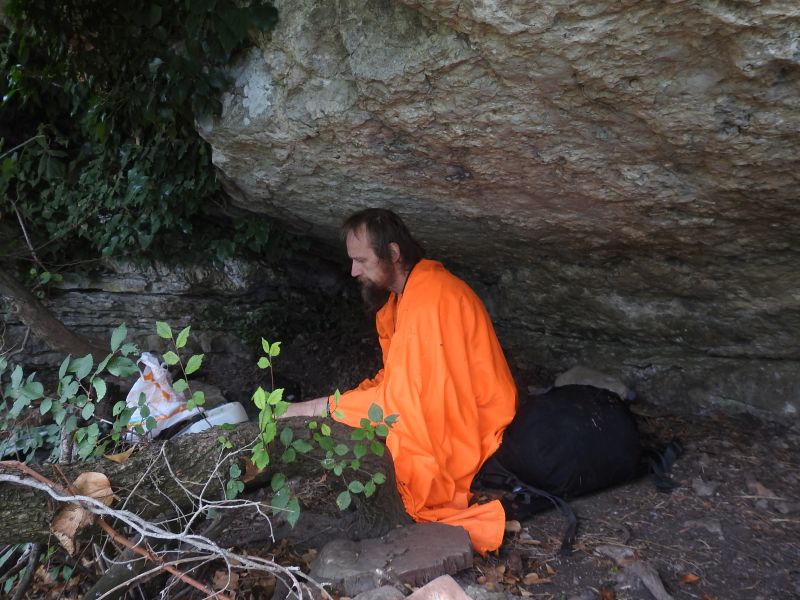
pixel 357 240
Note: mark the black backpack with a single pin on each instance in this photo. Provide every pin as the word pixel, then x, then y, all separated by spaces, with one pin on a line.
pixel 570 441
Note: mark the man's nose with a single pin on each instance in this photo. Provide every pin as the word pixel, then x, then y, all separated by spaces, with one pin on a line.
pixel 355 271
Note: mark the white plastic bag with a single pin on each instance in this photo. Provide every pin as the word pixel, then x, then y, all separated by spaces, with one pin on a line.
pixel 165 405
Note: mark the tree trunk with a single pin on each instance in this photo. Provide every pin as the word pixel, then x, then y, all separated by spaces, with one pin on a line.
pixel 43 323
pixel 145 486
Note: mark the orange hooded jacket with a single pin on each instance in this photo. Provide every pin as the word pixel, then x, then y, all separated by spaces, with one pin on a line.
pixel 446 377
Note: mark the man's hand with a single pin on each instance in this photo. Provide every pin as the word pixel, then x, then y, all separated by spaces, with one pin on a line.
pixel 309 408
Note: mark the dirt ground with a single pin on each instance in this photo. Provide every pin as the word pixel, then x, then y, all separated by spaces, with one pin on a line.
pixel 730 530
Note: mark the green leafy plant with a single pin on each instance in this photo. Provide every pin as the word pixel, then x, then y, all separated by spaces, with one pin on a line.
pixel 197 398
pixel 81 385
pixel 99 151
pixel 343 460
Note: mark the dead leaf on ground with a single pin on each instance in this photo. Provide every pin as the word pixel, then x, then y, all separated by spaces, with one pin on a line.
pixel 535 579
pixel 607 593
pixel 72 518
pixel 525 593
pixel 550 570
pixel 120 457
pixel 690 578
pixel 530 542
pixel 223 579
pixel 250 471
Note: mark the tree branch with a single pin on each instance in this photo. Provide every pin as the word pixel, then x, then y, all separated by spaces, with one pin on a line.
pixel 43 323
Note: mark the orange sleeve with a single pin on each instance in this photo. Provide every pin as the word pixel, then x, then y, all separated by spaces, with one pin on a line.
pixel 354 404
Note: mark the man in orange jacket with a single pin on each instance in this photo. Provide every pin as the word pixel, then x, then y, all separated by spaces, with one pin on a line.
pixel 443 373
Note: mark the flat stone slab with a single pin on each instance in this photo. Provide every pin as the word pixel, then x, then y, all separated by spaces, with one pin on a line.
pixel 413 555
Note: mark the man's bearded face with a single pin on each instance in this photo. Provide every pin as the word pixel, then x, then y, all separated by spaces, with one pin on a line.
pixel 375 288
pixel 374 274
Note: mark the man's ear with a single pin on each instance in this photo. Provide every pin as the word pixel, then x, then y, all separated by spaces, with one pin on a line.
pixel 394 252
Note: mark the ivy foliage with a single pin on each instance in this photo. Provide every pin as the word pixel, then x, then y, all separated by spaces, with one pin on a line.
pixel 98 147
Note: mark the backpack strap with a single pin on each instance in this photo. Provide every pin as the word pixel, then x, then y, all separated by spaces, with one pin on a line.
pixel 659 464
pixel 494 475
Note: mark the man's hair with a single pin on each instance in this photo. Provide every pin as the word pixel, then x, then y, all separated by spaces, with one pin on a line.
pixel 383 228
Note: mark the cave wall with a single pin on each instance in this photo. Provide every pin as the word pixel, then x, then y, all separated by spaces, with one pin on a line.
pixel 303 301
pixel 619 178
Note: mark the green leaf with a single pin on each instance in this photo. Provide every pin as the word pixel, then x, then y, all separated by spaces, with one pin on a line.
pixel 325 429
pixel 99 386
pixel 337 470
pixel 312 425
pixel 194 363
pixel 260 457
pixel 288 456
pixel 120 366
pixel 183 337
pixel 118 336
pixel 391 419
pixel 129 348
pixel 341 449
pixel 263 362
pixel 365 423
pixel 382 430
pixel 118 408
pixel 375 413
pixel 269 431
pixel 281 498
pixel 275 396
pixel 260 398
pixel 358 434
pixel 287 435
pixel 379 478
pixel 233 488
pixel 369 488
pixel 103 364
pixel 198 399
pixel 356 487
pixel 326 443
pixel 171 358
pixel 180 386
pixel 302 446
pixel 62 370
pixel 19 404
pixel 33 390
pixel 45 406
pixel 234 471
pixel 277 482
pixel 81 367
pixel 355 464
pixel 150 423
pixel 163 330
pixel 281 408
pixel 265 345
pixel 360 450
pixel 293 513
pixel 275 349
pixel 377 448
pixel 339 414
pixel 343 500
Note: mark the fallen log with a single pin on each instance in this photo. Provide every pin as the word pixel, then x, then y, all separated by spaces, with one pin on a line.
pixel 172 475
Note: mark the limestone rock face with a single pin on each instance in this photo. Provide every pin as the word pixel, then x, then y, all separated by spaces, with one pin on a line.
pixel 618 179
